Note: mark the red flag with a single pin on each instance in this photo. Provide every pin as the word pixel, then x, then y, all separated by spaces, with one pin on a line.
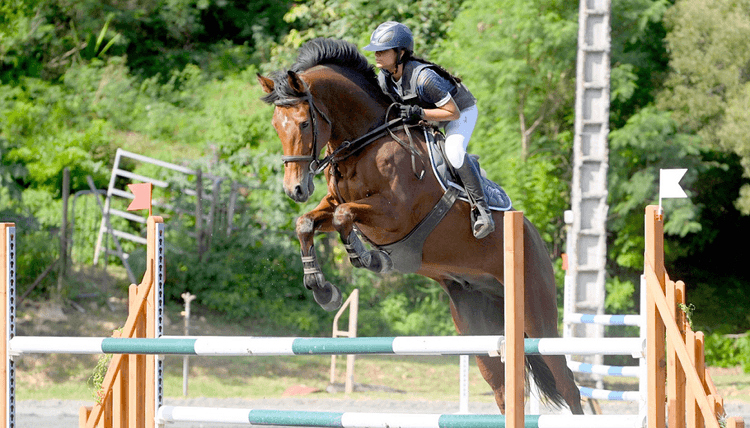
pixel 142 200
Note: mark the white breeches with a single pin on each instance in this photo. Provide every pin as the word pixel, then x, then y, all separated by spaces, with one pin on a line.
pixel 457 135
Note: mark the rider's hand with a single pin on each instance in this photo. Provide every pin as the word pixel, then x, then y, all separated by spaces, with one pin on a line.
pixel 410 114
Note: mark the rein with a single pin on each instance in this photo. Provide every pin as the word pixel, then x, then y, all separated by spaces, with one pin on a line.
pixel 318 165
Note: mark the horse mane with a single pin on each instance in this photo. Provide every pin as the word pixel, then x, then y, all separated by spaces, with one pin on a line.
pixel 321 51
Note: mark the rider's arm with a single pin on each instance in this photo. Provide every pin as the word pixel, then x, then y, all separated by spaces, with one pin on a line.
pixel 448 112
pixel 435 89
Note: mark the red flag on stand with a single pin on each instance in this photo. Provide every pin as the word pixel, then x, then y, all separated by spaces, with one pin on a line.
pixel 142 200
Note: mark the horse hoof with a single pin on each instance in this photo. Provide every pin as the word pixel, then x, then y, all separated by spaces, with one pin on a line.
pixel 328 297
pixel 384 261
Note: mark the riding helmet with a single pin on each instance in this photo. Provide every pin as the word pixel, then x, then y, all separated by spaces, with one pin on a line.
pixel 391 35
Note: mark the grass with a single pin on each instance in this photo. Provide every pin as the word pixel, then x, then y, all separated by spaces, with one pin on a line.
pixel 435 379
pixel 410 378
pixel 407 378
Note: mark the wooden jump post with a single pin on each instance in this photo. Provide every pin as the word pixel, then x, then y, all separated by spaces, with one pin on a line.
pixel 515 365
pixel 132 389
pixel 691 396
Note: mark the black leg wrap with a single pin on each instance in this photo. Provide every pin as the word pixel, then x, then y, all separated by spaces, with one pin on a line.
pixel 327 295
pixel 358 255
pixel 313 276
pixel 375 260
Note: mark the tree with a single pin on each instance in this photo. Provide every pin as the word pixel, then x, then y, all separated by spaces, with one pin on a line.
pixel 708 88
pixel 525 77
pixel 355 20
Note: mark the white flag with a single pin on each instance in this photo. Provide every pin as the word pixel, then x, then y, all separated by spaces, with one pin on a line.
pixel 669 183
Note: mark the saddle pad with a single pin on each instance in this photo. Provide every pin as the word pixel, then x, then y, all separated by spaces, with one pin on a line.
pixel 497 199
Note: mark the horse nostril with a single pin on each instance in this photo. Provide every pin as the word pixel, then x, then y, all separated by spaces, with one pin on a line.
pixel 299 192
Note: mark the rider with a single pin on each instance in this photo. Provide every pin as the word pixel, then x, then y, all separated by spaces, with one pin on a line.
pixel 425 91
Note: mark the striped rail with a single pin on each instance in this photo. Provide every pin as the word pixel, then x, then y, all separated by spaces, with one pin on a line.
pixel 168 414
pixel 274 346
pixel 634 320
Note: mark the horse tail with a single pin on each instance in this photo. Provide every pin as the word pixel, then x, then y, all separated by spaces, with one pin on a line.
pixel 544 379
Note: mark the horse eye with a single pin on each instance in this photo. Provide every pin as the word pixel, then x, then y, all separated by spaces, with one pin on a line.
pixel 304 124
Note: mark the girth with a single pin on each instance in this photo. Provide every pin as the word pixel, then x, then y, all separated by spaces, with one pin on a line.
pixel 406 253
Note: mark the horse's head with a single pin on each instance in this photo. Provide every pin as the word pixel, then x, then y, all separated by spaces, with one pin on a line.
pixel 303 129
pixel 329 79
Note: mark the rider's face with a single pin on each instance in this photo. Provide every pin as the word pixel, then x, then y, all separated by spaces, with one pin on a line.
pixel 386 60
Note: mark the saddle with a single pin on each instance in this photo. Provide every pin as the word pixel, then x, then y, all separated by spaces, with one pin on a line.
pixel 497 199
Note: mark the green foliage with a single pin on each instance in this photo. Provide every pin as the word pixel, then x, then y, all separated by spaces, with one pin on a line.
pixel 175 80
pixel 96 380
pixel 709 55
pixel 709 292
pixel 355 20
pixel 538 189
pixel 649 141
pixel 45 37
pixel 425 312
pixel 638 56
pixel 619 298
pixel 255 273
pixel 523 80
pixel 723 351
pixel 688 310
pixel 22 30
pixel 35 243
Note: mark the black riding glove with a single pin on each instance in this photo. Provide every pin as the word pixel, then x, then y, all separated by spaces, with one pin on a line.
pixel 410 114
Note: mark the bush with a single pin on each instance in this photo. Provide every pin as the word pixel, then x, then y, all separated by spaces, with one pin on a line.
pixel 727 351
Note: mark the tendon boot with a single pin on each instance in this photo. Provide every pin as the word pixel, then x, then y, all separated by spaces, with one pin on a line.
pixel 469 175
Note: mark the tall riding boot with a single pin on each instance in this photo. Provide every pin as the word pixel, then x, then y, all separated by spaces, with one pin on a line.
pixel 469 175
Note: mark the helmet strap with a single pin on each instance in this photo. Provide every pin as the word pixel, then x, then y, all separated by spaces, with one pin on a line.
pixel 400 59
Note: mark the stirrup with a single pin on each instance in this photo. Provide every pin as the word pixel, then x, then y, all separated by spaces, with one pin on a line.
pixel 483 225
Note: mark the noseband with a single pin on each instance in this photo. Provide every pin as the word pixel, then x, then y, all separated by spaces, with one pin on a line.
pixel 315 163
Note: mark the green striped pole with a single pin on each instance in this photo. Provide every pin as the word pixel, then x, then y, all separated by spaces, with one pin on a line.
pixel 402 420
pixel 272 346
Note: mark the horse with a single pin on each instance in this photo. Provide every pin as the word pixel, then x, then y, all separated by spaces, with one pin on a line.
pixel 377 187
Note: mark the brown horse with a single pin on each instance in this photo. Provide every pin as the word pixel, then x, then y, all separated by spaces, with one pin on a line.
pixel 330 98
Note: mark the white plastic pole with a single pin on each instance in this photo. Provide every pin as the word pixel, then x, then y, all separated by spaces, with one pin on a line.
pixel 463 403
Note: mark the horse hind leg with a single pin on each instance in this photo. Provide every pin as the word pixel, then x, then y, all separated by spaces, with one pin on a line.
pixel 477 313
pixel 493 372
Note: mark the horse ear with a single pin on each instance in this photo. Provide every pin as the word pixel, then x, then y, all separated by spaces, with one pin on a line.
pixel 265 83
pixel 295 82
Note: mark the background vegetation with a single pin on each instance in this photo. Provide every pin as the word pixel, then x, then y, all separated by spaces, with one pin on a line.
pixel 174 79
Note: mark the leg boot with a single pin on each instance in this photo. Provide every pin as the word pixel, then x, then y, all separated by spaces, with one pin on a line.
pixel 469 175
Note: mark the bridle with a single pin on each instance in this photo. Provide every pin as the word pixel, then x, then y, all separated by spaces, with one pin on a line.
pixel 315 163
pixel 318 165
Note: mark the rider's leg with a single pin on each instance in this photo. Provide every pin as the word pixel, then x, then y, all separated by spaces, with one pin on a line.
pixel 457 136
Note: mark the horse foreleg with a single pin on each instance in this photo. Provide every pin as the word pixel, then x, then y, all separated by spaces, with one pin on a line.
pixel 375 260
pixel 327 295
pixel 343 220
